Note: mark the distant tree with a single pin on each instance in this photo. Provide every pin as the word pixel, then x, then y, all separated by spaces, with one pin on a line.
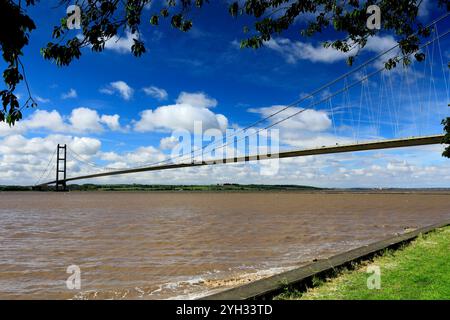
pixel 103 19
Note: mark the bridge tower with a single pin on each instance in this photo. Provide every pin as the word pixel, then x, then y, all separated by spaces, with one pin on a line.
pixel 61 156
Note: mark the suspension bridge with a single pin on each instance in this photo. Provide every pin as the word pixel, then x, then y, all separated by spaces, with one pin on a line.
pixel 369 108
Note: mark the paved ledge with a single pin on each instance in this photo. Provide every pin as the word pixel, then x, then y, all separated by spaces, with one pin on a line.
pixel 271 286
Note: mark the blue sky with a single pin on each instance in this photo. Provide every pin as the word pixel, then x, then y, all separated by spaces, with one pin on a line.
pixel 117 110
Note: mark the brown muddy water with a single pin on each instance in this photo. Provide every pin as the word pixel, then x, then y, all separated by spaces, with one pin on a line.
pixel 184 245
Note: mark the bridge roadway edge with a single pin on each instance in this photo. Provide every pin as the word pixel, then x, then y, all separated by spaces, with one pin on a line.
pixel 366 146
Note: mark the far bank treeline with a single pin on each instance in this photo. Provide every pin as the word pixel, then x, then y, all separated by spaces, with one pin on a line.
pixel 158 187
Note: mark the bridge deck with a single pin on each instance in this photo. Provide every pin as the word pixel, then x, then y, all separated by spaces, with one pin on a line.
pixel 385 144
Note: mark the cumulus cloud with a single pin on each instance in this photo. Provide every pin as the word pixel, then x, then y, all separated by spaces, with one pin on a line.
pixel 379 44
pixel 119 87
pixel 85 120
pixel 88 120
pixel 168 143
pixel 145 155
pixel 293 51
pixel 80 120
pixel 23 160
pixel 112 121
pixel 198 100
pixel 84 145
pixel 189 108
pixel 306 128
pixel 122 44
pixel 156 92
pixel 40 119
pixel 308 120
pixel 385 168
pixel 6 130
pixel 72 93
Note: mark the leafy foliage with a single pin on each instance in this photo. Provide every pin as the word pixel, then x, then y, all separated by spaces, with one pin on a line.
pixel 12 42
pixel 102 20
pixel 446 140
pixel 348 17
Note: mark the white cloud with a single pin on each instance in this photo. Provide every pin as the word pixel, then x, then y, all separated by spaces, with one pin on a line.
pixel 85 120
pixel 138 157
pixel 305 129
pixel 40 119
pixel 123 88
pixel 156 92
pixel 307 120
pixel 23 160
pixel 197 100
pixel 88 120
pixel 399 167
pixel 72 93
pixel 112 121
pixel 121 44
pixel 190 107
pixel 109 156
pixel 293 51
pixel 6 130
pixel 85 146
pixel 41 99
pixel 366 169
pixel 17 144
pixel 144 155
pixel 107 90
pixel 311 140
pixel 168 143
pixel 80 120
pixel 379 44
pixel 120 87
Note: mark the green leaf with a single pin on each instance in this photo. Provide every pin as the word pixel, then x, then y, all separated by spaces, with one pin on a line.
pixel 154 20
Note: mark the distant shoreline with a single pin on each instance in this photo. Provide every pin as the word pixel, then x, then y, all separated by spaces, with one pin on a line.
pixel 222 188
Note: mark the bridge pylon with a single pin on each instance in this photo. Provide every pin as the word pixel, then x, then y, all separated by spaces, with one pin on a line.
pixel 61 162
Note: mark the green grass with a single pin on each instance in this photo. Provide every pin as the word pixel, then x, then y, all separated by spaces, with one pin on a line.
pixel 419 270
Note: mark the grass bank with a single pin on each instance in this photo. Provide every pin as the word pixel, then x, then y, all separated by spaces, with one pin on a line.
pixel 418 270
